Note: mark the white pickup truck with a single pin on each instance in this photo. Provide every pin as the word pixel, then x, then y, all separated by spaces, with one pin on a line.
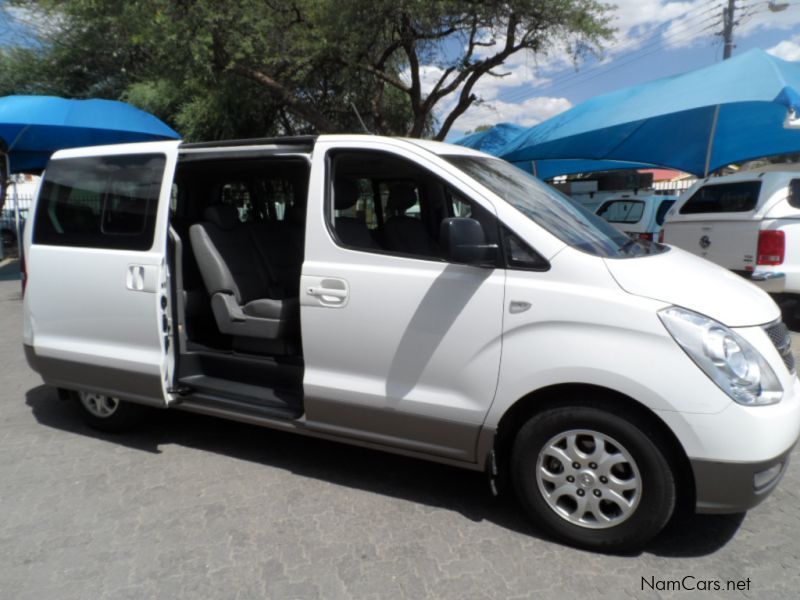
pixel 749 223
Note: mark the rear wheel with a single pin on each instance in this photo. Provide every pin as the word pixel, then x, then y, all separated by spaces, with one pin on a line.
pixel 108 413
pixel 593 479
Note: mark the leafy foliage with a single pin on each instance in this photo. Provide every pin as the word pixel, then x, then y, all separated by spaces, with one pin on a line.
pixel 260 67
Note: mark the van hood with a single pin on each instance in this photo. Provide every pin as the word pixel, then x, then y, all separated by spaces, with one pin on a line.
pixel 686 280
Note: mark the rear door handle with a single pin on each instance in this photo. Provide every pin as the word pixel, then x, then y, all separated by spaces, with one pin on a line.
pixel 142 278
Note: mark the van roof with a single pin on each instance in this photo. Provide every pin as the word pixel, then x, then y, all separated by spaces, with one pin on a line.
pixel 293 144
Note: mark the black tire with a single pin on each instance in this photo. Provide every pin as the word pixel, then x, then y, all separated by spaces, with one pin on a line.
pixel 126 415
pixel 656 489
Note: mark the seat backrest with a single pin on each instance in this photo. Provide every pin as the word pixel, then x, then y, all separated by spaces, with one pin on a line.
pixel 349 230
pixel 402 233
pixel 280 244
pixel 227 257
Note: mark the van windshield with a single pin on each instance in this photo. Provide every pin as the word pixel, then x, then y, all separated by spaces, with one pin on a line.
pixel 547 207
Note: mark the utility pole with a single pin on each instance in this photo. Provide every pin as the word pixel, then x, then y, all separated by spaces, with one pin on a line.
pixel 727 28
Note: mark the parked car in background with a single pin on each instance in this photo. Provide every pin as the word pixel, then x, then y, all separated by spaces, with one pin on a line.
pixel 640 217
pixel 749 223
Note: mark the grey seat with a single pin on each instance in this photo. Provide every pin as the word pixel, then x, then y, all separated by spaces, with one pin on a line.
pixel 243 299
pixel 281 245
pixel 402 233
pixel 349 230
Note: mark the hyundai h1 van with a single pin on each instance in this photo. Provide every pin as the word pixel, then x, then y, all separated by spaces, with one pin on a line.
pixel 414 297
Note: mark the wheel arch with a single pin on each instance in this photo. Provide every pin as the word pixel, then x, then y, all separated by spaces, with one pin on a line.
pixel 589 395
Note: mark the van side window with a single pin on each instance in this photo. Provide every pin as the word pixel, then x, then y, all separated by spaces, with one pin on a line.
pixel 723 198
pixel 100 202
pixel 382 203
pixel 794 193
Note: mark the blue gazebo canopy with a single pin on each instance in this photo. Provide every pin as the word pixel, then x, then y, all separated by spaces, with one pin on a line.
pixel 33 127
pixel 736 110
pixel 495 139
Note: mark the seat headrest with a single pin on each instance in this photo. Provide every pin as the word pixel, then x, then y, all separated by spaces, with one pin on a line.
pixel 345 194
pixel 223 216
pixel 402 196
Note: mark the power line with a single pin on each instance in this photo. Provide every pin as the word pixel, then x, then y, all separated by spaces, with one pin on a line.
pixel 654 44
pixel 656 40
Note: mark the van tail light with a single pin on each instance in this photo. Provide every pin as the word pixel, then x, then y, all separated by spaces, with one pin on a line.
pixel 646 236
pixel 661 237
pixel 771 247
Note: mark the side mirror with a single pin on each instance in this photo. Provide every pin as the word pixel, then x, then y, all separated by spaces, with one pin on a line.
pixel 464 241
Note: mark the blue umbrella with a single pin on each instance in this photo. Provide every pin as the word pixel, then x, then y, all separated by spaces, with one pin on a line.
pixel 33 127
pixel 495 139
pixel 740 109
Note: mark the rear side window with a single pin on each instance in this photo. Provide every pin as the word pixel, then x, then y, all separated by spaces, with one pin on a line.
pixel 622 211
pixel 100 202
pixel 663 209
pixel 723 198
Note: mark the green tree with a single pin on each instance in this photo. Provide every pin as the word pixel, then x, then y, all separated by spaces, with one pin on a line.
pixel 260 67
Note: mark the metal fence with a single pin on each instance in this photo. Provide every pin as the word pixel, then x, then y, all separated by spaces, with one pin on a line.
pixel 12 220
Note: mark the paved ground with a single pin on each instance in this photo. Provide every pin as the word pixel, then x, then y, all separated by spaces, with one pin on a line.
pixel 194 507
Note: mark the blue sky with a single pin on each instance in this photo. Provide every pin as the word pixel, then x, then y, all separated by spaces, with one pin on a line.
pixel 654 38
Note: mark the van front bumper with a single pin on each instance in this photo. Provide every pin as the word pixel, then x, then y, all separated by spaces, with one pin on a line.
pixel 733 487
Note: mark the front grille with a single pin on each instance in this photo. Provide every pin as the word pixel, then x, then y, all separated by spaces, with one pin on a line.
pixel 782 340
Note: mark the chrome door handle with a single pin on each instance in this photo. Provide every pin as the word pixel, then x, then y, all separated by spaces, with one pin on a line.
pixel 327 291
pixel 322 292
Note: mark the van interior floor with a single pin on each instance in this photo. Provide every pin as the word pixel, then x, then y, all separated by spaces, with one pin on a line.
pixel 258 385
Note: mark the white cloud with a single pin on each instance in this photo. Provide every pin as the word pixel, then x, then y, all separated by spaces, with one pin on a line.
pixel 529 112
pixel 787 49
pixel 762 18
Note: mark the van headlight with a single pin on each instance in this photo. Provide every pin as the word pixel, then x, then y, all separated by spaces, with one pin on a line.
pixel 726 357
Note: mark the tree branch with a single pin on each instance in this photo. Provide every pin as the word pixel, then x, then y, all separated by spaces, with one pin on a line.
pixel 292 102
pixel 471 76
pixel 380 74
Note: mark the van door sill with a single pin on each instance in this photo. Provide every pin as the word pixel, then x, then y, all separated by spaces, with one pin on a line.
pixel 243 397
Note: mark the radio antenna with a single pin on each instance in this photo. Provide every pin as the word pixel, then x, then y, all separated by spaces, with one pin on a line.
pixel 360 120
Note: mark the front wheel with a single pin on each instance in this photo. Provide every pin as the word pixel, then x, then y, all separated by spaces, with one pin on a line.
pixel 108 413
pixel 593 479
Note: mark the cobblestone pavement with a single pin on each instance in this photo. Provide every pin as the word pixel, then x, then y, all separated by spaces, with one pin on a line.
pixel 195 507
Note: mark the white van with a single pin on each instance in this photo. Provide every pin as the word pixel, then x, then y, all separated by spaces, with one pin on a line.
pixel 748 222
pixel 639 217
pixel 414 297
